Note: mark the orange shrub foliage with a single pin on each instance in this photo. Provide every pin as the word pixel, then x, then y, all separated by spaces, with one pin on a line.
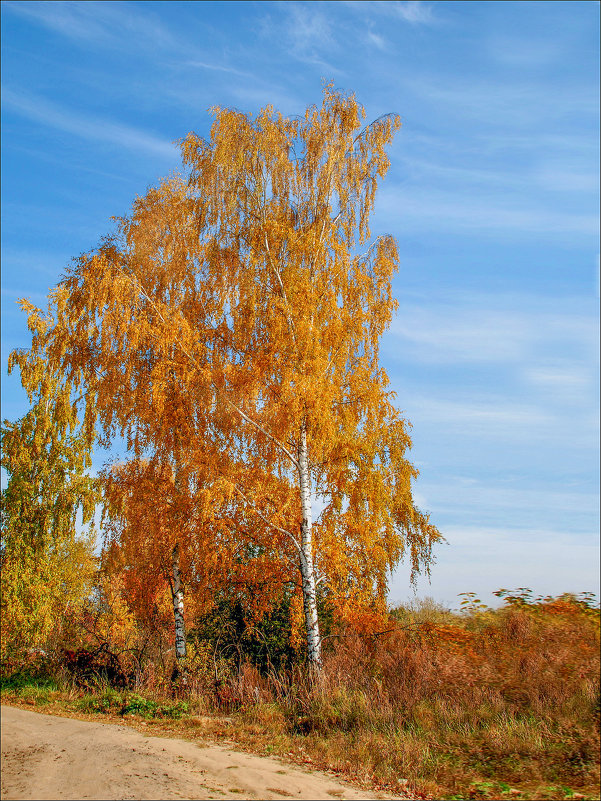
pixel 528 656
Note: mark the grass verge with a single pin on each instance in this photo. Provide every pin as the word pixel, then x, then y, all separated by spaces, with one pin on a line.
pixel 460 761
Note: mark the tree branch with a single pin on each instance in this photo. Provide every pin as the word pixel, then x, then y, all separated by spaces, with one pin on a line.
pixel 221 395
pixel 268 522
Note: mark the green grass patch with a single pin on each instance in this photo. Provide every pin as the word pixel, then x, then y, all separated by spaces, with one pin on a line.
pixel 147 708
pixel 104 702
pixel 110 701
pixel 24 682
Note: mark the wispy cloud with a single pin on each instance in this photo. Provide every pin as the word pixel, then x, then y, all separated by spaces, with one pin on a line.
pixel 15 294
pixel 559 178
pixel 375 40
pixel 550 173
pixel 515 376
pixel 98 24
pixel 130 27
pixel 470 497
pixel 218 68
pixel 496 427
pixel 86 127
pixel 493 416
pixel 512 330
pixel 567 381
pixel 309 29
pixel 488 184
pixel 27 261
pixel 74 165
pixel 412 11
pixel 555 145
pixel 436 210
pixel 507 105
pixel 305 31
pixel 523 53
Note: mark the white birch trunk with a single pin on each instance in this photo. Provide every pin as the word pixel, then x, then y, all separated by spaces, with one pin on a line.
pixel 306 556
pixel 177 592
pixel 178 607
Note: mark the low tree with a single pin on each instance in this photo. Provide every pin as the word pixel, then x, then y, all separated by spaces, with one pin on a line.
pixel 47 564
pixel 181 536
pixel 230 328
pixel 157 528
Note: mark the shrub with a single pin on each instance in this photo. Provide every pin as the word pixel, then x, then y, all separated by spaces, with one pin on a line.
pixel 88 667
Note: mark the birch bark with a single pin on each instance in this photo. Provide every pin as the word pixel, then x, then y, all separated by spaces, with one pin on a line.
pixel 176 587
pixel 178 606
pixel 306 555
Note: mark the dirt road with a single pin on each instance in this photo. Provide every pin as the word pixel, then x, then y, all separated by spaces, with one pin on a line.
pixel 48 757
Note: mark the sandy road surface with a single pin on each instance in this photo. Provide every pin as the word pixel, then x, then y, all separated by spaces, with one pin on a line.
pixel 48 757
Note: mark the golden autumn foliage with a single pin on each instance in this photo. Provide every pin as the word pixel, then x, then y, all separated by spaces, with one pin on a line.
pixel 229 329
pixel 47 565
pixel 105 619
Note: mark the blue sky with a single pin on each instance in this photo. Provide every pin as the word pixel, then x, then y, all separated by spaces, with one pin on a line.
pixel 492 196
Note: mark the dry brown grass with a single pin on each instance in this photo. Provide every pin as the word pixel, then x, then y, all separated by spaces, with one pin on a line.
pixel 487 704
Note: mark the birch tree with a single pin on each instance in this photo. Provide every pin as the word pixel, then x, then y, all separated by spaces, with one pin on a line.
pixel 47 564
pixel 240 307
pixel 162 529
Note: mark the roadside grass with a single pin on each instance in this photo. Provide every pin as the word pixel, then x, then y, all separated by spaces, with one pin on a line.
pixel 490 704
pixel 437 763
pixel 511 758
pixel 32 690
pixel 100 700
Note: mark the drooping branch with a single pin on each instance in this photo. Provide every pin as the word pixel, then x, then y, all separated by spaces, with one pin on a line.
pixel 290 536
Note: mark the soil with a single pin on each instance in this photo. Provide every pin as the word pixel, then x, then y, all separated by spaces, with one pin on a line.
pixel 50 757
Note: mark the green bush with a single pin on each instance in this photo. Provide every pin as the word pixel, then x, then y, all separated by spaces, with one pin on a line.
pixel 147 708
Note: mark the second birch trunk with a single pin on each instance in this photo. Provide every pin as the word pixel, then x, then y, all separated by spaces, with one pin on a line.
pixel 178 606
